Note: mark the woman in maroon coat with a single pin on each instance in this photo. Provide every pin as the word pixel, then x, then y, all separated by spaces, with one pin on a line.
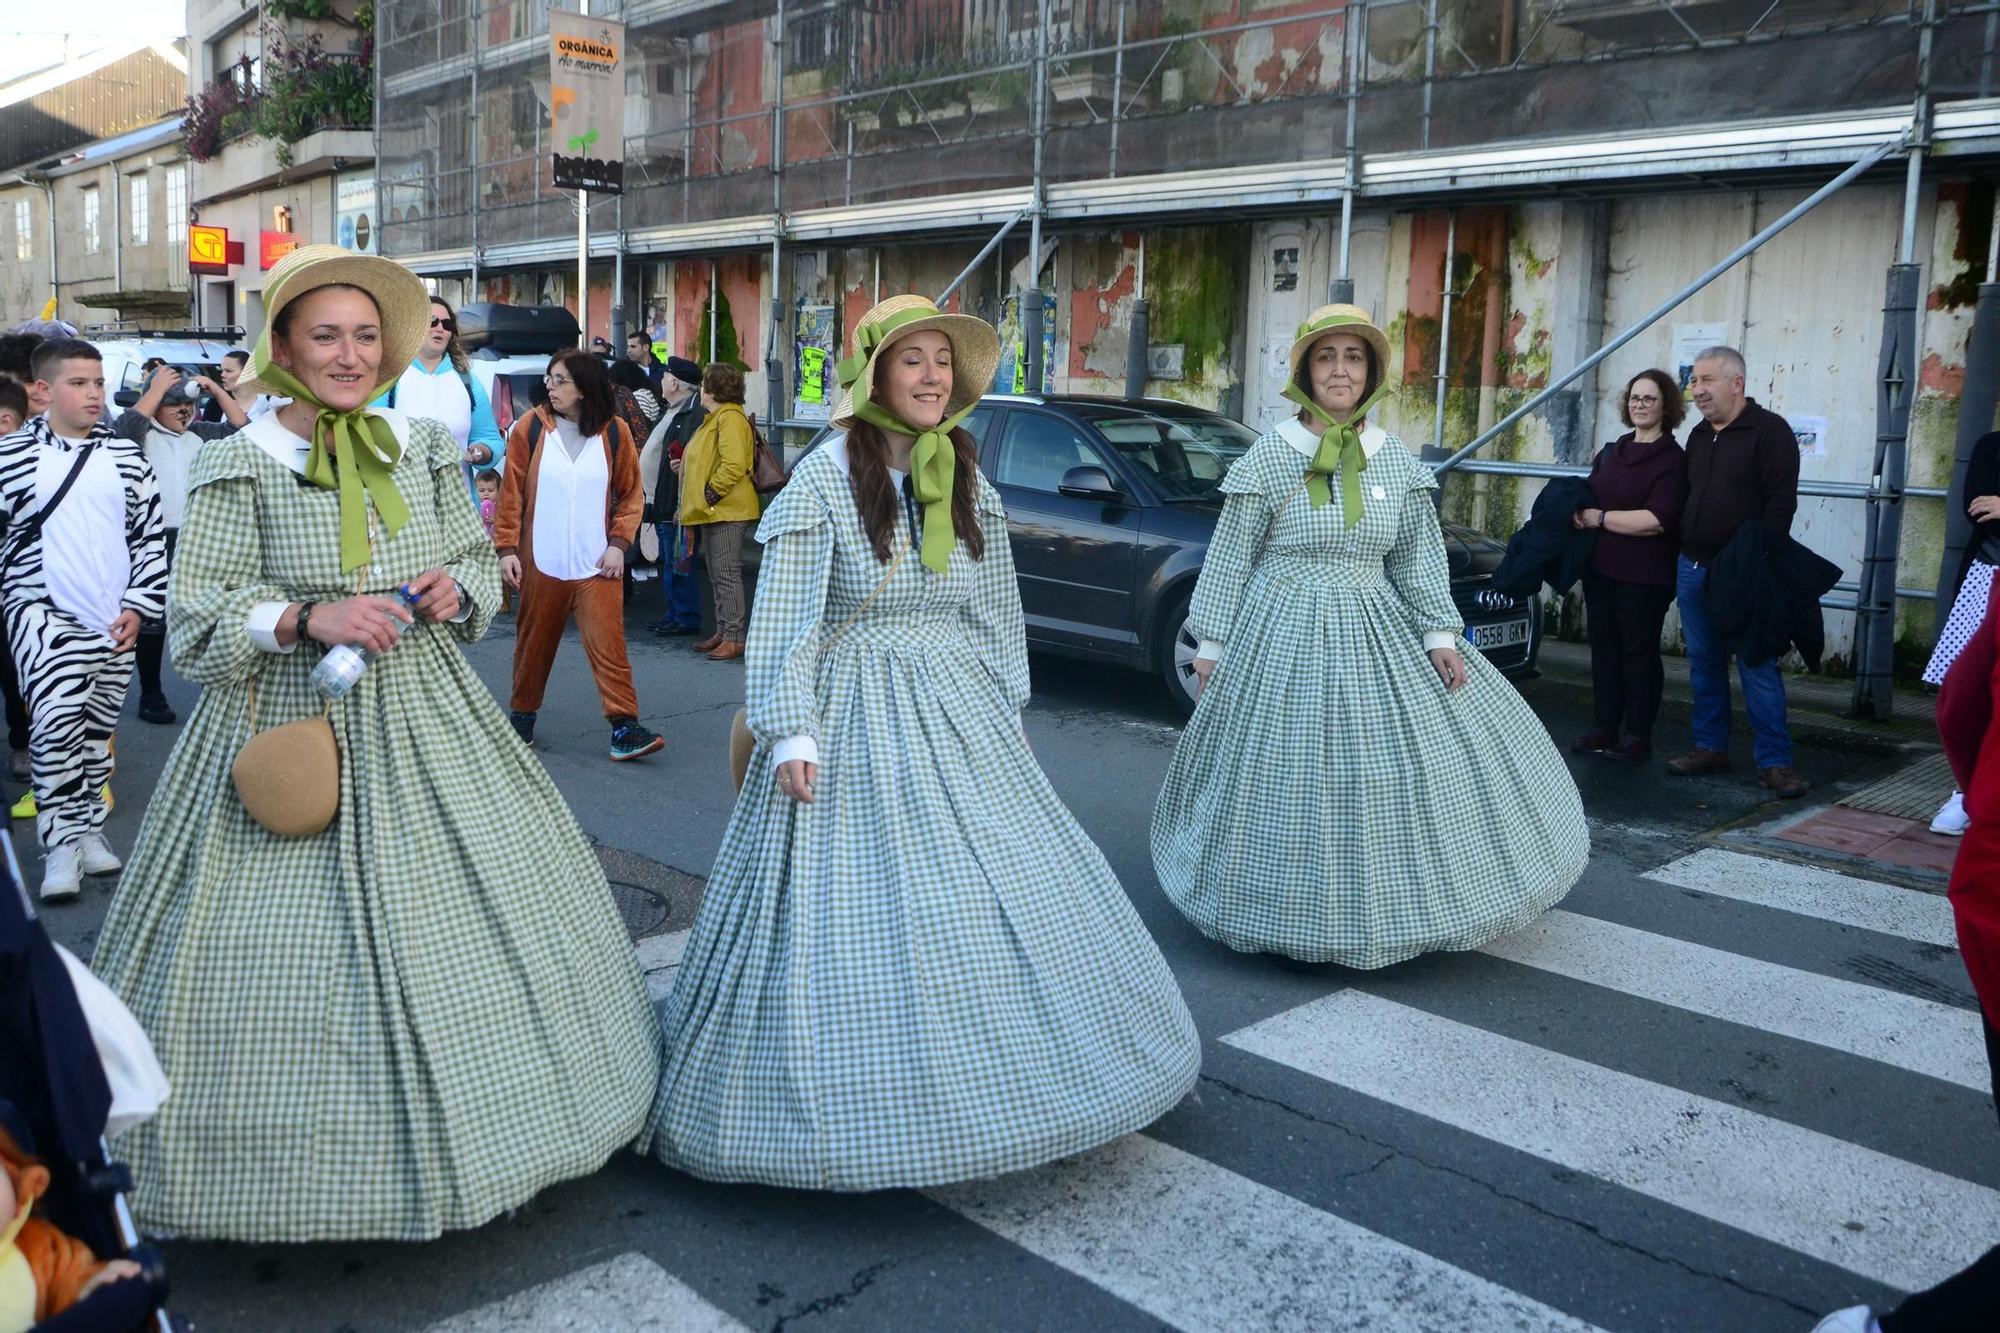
pixel 1640 481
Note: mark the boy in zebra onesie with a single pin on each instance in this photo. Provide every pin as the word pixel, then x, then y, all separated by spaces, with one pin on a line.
pixel 82 563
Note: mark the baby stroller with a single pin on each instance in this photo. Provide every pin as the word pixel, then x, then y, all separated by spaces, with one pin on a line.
pixel 51 1076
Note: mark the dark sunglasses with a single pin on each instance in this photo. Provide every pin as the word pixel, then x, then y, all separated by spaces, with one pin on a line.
pixel 449 325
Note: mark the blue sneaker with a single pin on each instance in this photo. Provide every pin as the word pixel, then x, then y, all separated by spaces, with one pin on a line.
pixel 524 726
pixel 629 740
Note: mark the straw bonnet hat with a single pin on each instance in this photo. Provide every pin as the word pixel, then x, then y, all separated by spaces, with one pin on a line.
pixel 975 352
pixel 1351 319
pixel 398 293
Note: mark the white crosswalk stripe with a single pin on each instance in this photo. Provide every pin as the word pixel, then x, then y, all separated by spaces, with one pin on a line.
pixel 1204 1248
pixel 1919 1035
pixel 1810 891
pixel 629 1294
pixel 1894 1221
pixel 1198 1246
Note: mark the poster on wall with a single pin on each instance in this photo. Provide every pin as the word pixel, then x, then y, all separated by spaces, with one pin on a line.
pixel 1811 433
pixel 1013 376
pixel 812 364
pixel 354 211
pixel 1690 340
pixel 587 102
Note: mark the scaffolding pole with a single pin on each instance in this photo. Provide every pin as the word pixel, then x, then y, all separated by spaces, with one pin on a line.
pixel 1031 310
pixel 1875 602
pixel 1342 291
pixel 1666 307
pixel 776 344
pixel 1444 333
pixel 977 259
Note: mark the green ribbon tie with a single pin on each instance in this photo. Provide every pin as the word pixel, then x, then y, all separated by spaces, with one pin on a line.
pixel 1339 453
pixel 361 462
pixel 933 461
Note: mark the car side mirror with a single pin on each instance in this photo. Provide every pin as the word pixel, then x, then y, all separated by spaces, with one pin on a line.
pixel 125 397
pixel 1090 483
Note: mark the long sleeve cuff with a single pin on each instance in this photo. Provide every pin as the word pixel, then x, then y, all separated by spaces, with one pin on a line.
pixel 1208 650
pixel 1439 638
pixel 263 627
pixel 795 747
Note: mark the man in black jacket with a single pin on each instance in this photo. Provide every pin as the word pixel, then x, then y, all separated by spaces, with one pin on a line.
pixel 679 389
pixel 1743 465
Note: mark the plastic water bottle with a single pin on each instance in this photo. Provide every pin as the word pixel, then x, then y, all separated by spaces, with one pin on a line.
pixel 343 664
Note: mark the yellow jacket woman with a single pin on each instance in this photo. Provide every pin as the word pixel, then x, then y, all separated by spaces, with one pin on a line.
pixel 715 471
pixel 719 502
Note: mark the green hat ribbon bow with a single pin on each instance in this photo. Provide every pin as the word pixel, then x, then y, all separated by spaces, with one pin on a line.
pixel 933 461
pixel 364 455
pixel 1339 453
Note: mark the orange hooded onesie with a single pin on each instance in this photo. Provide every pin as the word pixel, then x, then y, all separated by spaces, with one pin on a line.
pixel 59 1264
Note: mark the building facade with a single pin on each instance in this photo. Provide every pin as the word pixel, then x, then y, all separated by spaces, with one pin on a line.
pixel 279 130
pixel 93 196
pixel 1505 183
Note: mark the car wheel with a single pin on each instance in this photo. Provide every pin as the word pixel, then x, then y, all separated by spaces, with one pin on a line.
pixel 1177 657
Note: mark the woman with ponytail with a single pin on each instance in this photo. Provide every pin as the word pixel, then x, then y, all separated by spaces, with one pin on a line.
pixel 910 966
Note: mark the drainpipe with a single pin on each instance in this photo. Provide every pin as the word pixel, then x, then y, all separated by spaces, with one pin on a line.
pixel 1444 331
pixel 117 238
pixel 55 267
pixel 1138 331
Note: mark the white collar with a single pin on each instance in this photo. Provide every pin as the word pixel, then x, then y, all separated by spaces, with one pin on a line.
pixel 271 435
pixel 837 448
pixel 1306 440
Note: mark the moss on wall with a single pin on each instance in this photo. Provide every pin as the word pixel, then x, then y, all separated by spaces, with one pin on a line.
pixel 1195 281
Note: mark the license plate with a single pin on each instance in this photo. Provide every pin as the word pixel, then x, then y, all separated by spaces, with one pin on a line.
pixel 1504 634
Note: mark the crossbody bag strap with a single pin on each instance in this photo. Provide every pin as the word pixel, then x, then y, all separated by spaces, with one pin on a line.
pixel 28 531
pixel 867 601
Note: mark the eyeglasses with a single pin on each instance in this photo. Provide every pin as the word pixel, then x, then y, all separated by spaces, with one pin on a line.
pixel 557 381
pixel 1642 400
pixel 449 325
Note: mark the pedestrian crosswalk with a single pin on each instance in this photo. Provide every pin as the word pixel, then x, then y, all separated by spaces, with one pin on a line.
pixel 1804 1199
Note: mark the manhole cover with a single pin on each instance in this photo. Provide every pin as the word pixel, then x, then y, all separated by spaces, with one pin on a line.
pixel 644 911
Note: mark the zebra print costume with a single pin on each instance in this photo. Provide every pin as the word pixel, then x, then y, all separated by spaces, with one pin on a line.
pixel 72 677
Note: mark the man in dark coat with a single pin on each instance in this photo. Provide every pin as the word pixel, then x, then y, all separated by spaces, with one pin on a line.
pixel 680 386
pixel 1743 466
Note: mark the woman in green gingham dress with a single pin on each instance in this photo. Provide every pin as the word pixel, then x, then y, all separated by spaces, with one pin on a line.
pixel 430 1011
pixel 910 966
pixel 1357 785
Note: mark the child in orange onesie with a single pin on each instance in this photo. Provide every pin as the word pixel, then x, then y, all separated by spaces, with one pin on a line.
pixel 42 1271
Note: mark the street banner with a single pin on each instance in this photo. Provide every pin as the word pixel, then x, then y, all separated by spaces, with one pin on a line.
pixel 587 102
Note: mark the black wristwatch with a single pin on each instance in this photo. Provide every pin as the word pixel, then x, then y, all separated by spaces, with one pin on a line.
pixel 305 614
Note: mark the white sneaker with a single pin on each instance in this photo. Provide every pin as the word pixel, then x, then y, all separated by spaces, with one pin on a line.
pixel 98 858
pixel 62 876
pixel 1854 1319
pixel 1952 821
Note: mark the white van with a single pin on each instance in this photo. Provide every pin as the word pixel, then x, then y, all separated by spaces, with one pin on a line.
pixel 125 350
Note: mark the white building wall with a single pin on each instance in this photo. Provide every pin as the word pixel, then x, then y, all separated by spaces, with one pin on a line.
pixel 1805 311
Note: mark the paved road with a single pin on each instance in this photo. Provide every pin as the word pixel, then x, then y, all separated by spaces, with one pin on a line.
pixel 1713 1090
